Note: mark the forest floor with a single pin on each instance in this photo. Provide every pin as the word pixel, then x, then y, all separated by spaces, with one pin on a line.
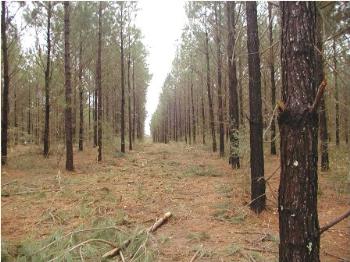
pixel 209 202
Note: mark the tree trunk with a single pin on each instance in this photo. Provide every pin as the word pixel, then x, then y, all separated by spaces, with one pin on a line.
pixel 203 118
pixel 193 113
pixel 256 141
pixel 95 115
pixel 29 110
pixel 273 84
pixel 297 202
pixel 81 97
pixel 122 124
pixel 240 83
pixel 133 100
pixel 6 83
pixel 68 107
pixel 210 101
pixel 232 86
pixel 219 61
pixel 322 112
pixel 99 85
pixel 336 94
pixel 47 85
pixel 129 93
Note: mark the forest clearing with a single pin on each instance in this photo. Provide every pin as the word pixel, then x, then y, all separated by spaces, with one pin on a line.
pixel 175 131
pixel 208 200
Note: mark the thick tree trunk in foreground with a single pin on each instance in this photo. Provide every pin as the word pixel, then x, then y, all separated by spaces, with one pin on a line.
pixel 68 107
pixel 322 112
pixel 122 112
pixel 232 86
pixel 273 84
pixel 210 101
pixel 297 203
pixel 99 85
pixel 258 196
pixel 5 94
pixel 47 85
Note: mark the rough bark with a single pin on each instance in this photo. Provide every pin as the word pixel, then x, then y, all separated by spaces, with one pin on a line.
pixel 68 91
pixel 193 113
pixel 255 105
pixel 272 79
pixel 210 101
pixel 6 83
pixel 133 100
pixel 47 84
pixel 297 202
pixel 232 86
pixel 322 112
pixel 219 72
pixel 99 83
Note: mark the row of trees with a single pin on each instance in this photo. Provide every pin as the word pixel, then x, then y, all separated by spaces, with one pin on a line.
pixel 95 49
pixel 209 82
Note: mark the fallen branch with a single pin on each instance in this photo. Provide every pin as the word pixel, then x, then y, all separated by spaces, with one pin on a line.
pixel 116 251
pixel 194 256
pixel 334 222
pixel 259 250
pixel 332 255
pixel 33 192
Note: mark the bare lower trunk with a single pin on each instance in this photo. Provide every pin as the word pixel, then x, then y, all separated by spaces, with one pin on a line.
pixel 297 203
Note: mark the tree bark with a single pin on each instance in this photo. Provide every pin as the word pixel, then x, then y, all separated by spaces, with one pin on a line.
pixel 210 101
pixel 81 97
pixel 272 79
pixel 297 202
pixel 219 61
pixel 122 120
pixel 255 104
pixel 5 95
pixel 336 94
pixel 133 100
pixel 193 113
pixel 232 86
pixel 47 84
pixel 319 78
pixel 129 92
pixel 99 83
pixel 68 87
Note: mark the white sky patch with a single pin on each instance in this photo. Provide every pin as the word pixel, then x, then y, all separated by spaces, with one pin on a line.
pixel 161 23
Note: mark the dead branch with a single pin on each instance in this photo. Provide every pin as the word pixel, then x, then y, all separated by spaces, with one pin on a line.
pixel 159 222
pixel 334 222
pixel 195 256
pixel 319 96
pixel 332 255
pixel 259 250
pixel 9 183
pixel 116 251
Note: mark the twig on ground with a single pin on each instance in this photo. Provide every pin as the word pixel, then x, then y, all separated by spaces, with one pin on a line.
pixel 195 256
pixel 334 222
pixel 338 257
pixel 9 183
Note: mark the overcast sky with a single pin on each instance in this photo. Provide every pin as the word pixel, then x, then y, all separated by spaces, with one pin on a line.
pixel 161 23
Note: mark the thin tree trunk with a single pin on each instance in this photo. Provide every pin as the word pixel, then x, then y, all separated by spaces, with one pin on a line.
pixel 129 93
pixel 67 73
pixel 273 83
pixel 219 61
pixel 15 115
pixel 99 83
pixel 232 85
pixel 297 201
pixel 336 94
pixel 322 112
pixel 240 83
pixel 95 115
pixel 134 100
pixel 5 95
pixel 29 109
pixel 203 118
pixel 193 113
pixel 122 124
pixel 47 85
pixel 256 140
pixel 81 97
pixel 210 102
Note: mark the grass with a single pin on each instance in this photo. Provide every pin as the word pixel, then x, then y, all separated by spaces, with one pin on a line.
pixel 224 212
pixel 202 170
pixel 198 236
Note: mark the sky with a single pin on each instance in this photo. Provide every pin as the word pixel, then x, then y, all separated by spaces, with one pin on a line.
pixel 161 23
